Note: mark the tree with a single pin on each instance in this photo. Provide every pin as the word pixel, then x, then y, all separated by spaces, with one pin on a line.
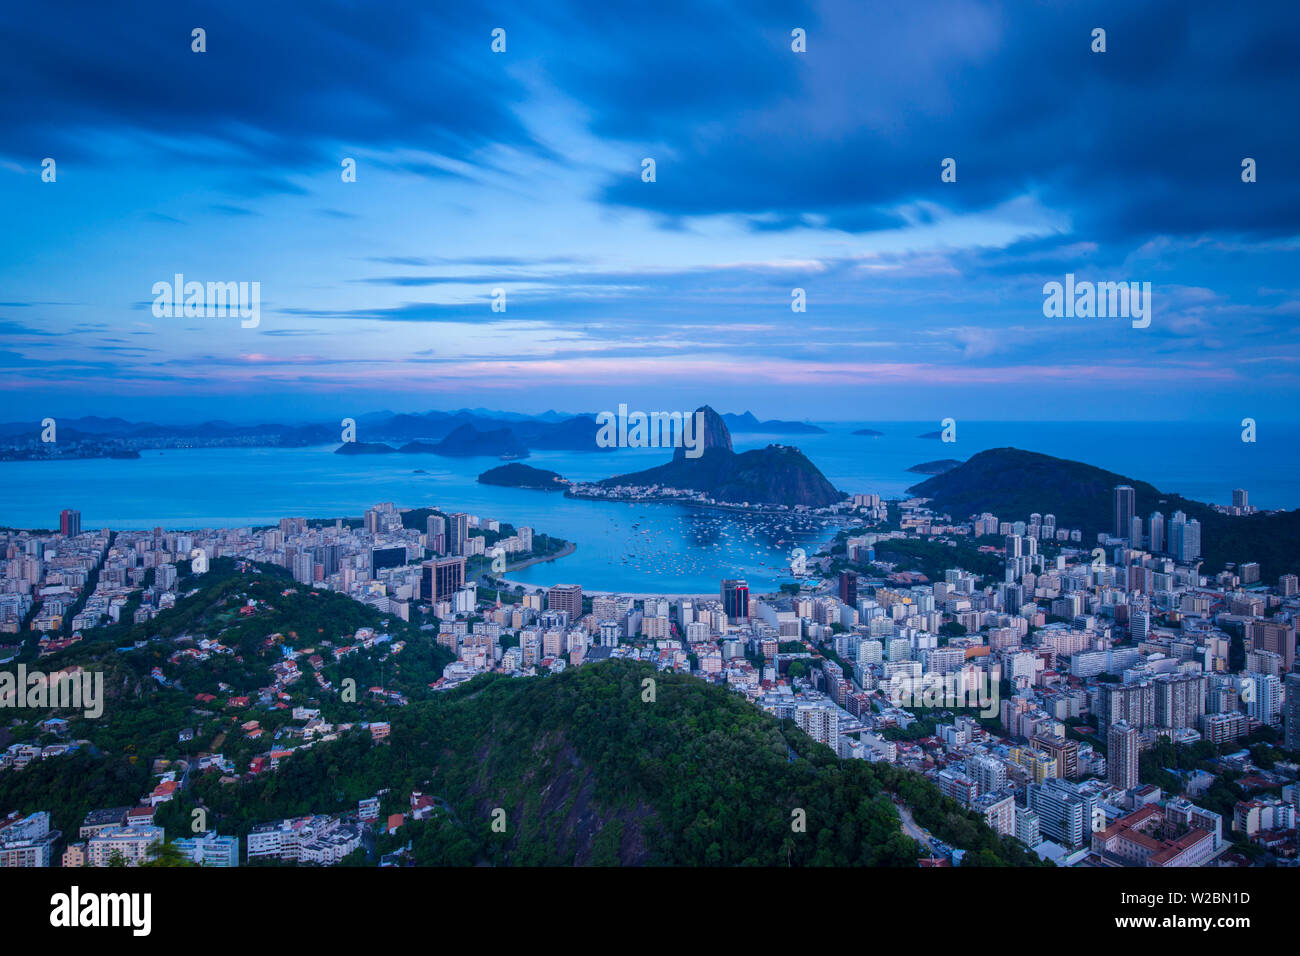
pixel 166 854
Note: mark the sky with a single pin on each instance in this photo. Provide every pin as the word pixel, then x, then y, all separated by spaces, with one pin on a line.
pixel 774 170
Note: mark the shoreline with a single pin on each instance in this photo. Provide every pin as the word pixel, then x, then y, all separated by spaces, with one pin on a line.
pixel 564 552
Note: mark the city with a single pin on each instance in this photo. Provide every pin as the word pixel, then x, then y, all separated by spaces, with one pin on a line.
pixel 1115 705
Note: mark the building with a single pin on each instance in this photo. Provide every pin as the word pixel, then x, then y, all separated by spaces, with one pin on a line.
pixel 27 841
pixel 567 598
pixel 69 523
pixel 131 843
pixel 999 811
pixel 441 578
pixel 1135 704
pixel 1278 637
pixel 1125 501
pixel 849 588
pixel 1064 750
pixel 380 558
pixel 819 721
pixel 458 533
pixel 1156 525
pixel 1027 830
pixel 1292 722
pixel 735 599
pixel 210 850
pixel 435 538
pixel 1147 837
pixel 1180 700
pixel 1122 756
pixel 1220 728
pixel 1064 814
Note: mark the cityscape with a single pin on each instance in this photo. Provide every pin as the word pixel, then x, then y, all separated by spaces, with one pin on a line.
pixel 585 440
pixel 1107 706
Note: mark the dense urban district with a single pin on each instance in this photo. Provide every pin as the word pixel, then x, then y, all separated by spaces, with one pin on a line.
pixel 928 689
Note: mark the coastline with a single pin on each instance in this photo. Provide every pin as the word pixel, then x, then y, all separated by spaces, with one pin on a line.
pixel 564 552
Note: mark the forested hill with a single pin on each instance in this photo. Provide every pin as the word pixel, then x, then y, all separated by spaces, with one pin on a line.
pixel 1012 484
pixel 588 772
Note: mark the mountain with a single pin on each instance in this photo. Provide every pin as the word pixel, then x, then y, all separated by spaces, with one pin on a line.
pixel 935 467
pixel 466 441
pixel 712 436
pixel 1012 484
pixel 776 474
pixel 515 475
pixel 748 423
pixel 551 430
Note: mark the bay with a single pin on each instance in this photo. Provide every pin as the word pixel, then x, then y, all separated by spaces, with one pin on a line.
pixel 633 548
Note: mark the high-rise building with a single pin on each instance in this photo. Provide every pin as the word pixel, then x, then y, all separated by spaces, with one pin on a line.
pixel 1180 700
pixel 1135 704
pixel 565 597
pixel 1191 549
pixel 381 558
pixel 1064 814
pixel 1240 499
pixel 435 538
pixel 1063 750
pixel 849 588
pixel 735 599
pixel 1122 756
pixel 304 567
pixel 1292 716
pixel 441 578
pixel 1288 585
pixel 1272 636
pixel 69 523
pixel 458 533
pixel 1125 500
pixel 1157 531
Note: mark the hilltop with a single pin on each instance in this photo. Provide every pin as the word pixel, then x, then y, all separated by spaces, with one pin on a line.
pixel 777 474
pixel 1012 484
pixel 587 772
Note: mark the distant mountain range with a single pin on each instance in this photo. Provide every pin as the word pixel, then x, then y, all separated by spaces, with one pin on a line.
pixel 551 431
pixel 747 423
pixel 776 474
pixel 1012 484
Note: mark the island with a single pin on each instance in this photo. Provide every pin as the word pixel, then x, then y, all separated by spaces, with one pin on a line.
pixel 870 432
pixel 515 475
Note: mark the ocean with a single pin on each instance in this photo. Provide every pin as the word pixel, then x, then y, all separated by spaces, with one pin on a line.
pixel 660 548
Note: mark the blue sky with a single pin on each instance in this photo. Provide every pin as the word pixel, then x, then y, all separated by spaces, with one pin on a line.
pixel 775 170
